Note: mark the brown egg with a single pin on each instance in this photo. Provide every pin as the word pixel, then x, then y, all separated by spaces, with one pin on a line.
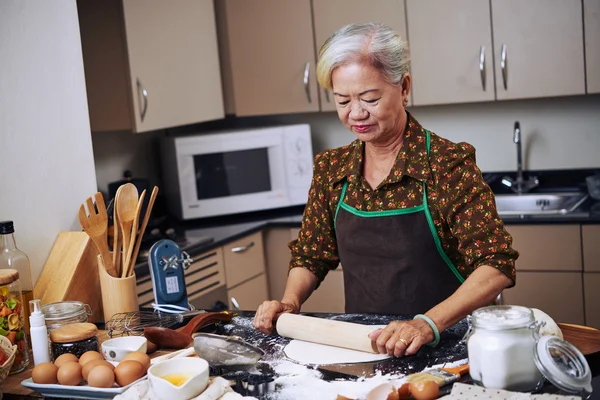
pixel 404 391
pixel 128 371
pixel 385 391
pixel 424 390
pixel 94 363
pixel 89 356
pixel 44 373
pixel 101 377
pixel 69 374
pixel 65 358
pixel 140 357
pixel 342 397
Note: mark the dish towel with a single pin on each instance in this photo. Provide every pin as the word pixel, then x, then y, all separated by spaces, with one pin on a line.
pixel 217 389
pixel 461 391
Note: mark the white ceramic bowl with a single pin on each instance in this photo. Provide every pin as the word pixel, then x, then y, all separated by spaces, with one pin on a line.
pixel 196 370
pixel 117 348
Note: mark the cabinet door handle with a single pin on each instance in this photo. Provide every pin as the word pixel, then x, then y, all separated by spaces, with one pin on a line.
pixel 504 66
pixel 306 85
pixel 327 95
pixel 241 249
pixel 235 304
pixel 482 66
pixel 144 94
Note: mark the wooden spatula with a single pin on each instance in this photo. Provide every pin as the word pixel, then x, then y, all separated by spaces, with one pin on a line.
pixel 585 338
pixel 126 205
pixel 96 226
pixel 134 230
pixel 138 241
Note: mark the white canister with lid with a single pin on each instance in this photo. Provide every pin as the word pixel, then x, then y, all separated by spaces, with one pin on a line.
pixel 507 352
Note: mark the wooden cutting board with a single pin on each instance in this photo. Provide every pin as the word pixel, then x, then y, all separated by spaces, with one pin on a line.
pixel 585 338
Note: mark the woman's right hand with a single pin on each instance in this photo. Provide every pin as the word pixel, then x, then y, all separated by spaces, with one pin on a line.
pixel 268 312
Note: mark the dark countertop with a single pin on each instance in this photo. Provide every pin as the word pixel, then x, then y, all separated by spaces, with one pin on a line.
pixel 450 350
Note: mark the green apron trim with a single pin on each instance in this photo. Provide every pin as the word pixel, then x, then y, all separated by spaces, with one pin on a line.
pixel 423 207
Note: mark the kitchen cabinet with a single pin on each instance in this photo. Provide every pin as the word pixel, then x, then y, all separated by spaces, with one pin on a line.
pixel 590 235
pixel 591 22
pixel 591 287
pixel 329 297
pixel 330 15
pixel 538 48
pixel 451 51
pixel 540 289
pixel 245 271
pixel 268 52
pixel 150 64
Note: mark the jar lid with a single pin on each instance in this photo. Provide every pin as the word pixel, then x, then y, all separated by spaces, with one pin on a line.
pixel 563 365
pixel 502 317
pixel 64 310
pixel 8 276
pixel 73 332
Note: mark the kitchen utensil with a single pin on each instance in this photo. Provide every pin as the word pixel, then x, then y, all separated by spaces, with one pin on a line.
pixel 140 237
pixel 126 204
pixel 226 351
pixel 181 338
pixel 96 226
pixel 586 339
pixel 134 229
pixel 333 333
pixel 69 274
pixel 117 348
pixel 117 238
pixel 180 378
pixel 441 376
pixel 133 323
pixel 119 295
pixel 167 264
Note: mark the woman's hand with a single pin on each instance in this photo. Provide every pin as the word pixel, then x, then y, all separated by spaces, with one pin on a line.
pixel 268 312
pixel 400 338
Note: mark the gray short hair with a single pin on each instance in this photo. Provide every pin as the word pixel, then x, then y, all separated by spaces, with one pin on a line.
pixel 372 43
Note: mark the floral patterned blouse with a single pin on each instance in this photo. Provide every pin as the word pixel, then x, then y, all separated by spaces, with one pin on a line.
pixel 461 203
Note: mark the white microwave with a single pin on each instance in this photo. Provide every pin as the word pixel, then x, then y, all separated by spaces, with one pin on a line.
pixel 234 172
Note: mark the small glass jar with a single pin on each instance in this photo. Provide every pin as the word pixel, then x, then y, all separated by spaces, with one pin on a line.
pixel 74 338
pixel 12 317
pixel 65 312
pixel 501 348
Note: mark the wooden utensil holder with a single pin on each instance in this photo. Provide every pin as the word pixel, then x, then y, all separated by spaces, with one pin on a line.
pixel 119 295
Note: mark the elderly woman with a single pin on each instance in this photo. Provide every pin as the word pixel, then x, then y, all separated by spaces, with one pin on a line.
pixel 406 212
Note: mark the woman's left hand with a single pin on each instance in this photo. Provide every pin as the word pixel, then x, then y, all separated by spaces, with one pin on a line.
pixel 400 338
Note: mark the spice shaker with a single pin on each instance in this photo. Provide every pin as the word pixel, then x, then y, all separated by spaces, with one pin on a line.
pixel 12 317
pixel 74 338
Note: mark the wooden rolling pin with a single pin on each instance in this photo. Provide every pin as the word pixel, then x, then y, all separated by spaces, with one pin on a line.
pixel 324 331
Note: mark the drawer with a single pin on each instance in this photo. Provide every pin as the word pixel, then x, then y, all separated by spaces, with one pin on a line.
pixel 591 247
pixel 591 288
pixel 244 259
pixel 547 247
pixel 250 294
pixel 144 291
pixel 205 274
pixel 329 297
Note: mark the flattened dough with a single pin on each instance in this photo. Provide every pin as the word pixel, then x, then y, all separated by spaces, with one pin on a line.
pixel 320 354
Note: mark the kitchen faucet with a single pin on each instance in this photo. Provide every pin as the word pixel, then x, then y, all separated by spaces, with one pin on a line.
pixel 520 185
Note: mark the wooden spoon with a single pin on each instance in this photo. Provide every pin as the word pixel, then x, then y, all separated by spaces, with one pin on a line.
pixel 585 338
pixel 96 226
pixel 138 241
pixel 134 230
pixel 116 257
pixel 126 205
pixel 182 337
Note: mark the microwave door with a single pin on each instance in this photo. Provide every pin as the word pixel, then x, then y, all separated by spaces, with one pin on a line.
pixel 232 173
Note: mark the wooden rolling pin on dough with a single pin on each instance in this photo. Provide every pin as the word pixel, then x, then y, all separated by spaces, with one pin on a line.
pixel 324 331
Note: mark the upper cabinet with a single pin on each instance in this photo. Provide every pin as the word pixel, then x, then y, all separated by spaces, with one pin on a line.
pixel 538 48
pixel 331 15
pixel 268 52
pixel 591 21
pixel 451 49
pixel 150 64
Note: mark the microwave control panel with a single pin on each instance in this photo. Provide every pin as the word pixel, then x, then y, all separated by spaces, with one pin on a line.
pixel 298 157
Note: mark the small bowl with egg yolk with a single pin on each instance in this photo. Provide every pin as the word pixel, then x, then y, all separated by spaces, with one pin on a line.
pixel 179 378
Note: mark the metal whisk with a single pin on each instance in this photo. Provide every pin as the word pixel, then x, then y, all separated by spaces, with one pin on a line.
pixel 133 323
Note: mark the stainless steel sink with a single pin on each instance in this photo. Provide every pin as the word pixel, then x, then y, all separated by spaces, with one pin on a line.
pixel 539 204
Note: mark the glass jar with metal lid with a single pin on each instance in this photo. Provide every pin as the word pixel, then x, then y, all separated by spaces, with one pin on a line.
pixel 12 317
pixel 65 312
pixel 506 351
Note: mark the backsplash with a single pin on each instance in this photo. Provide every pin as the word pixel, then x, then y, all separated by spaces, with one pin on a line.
pixel 559 133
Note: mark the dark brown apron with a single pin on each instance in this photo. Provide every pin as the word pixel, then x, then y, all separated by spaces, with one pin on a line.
pixel 393 261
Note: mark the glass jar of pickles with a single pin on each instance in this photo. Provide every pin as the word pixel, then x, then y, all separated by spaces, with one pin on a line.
pixel 12 317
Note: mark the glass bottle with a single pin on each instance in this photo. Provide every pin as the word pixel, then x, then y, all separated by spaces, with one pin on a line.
pixel 13 258
pixel 12 317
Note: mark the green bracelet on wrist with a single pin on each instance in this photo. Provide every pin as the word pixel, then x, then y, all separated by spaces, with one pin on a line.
pixel 436 333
